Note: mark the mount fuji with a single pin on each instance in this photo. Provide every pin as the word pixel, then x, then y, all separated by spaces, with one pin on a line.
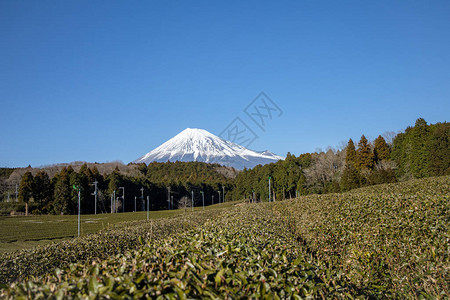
pixel 200 145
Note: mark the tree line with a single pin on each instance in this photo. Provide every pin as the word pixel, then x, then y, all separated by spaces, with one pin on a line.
pixel 419 151
pixel 164 183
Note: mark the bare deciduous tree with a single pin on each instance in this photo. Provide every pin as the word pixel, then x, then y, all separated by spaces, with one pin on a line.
pixel 389 137
pixel 184 203
pixel 325 166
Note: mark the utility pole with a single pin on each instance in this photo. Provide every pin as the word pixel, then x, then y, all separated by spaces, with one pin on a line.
pixel 123 198
pixel 111 203
pixel 95 194
pixel 79 211
pixel 192 200
pixel 17 192
pixel 148 208
pixel 203 198
pixel 269 186
pixel 79 207
pixel 135 203
pixel 142 195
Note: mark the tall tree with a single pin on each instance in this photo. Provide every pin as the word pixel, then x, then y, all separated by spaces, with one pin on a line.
pixel 422 150
pixel 42 191
pixel 26 189
pixel 350 154
pixel 440 150
pixel 85 179
pixel 114 181
pixel 62 193
pixel 381 149
pixel 364 155
pixel 419 155
pixel 350 176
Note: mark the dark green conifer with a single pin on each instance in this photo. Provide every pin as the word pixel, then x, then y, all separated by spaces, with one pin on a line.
pixel 42 191
pixel 364 155
pixel 26 189
pixel 350 154
pixel 381 149
pixel 62 193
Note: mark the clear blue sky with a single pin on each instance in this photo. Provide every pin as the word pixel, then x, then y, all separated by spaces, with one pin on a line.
pixel 111 80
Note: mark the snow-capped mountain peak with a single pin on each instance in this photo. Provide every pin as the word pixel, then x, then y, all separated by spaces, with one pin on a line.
pixel 194 144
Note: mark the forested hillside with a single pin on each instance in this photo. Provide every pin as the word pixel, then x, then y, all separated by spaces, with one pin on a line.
pixel 56 195
pixel 420 151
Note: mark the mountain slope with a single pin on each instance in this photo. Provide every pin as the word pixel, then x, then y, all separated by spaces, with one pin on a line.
pixel 201 145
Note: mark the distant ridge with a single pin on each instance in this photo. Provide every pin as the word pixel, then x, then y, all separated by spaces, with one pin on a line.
pixel 194 144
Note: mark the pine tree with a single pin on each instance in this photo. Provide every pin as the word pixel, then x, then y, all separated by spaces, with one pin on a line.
pixel 42 191
pixel 419 155
pixel 62 193
pixel 26 189
pixel 381 149
pixel 350 175
pixel 85 179
pixel 74 180
pixel 350 178
pixel 114 181
pixel 440 150
pixel 350 157
pixel 364 155
pixel 301 188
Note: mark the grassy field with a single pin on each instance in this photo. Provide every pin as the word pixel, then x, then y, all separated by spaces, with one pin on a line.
pixel 387 241
pixel 20 232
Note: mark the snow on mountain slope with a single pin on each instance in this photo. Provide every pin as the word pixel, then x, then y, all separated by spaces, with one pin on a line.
pixel 200 145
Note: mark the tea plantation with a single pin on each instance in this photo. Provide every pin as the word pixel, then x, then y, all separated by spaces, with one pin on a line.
pixel 386 241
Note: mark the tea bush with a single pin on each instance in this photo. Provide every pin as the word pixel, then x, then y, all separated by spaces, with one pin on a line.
pixel 108 242
pixel 386 241
pixel 390 240
pixel 246 253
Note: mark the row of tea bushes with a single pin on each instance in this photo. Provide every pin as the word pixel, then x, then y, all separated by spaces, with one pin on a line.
pixel 245 253
pixel 390 240
pixel 108 242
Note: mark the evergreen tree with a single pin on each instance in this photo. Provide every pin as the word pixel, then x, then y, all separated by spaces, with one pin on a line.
pixel 301 185
pixel 293 171
pixel 440 150
pixel 381 149
pixel 74 180
pixel 350 154
pixel 422 150
pixel 350 176
pixel 364 155
pixel 42 191
pixel 62 193
pixel 114 181
pixel 419 155
pixel 85 179
pixel 399 154
pixel 26 189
